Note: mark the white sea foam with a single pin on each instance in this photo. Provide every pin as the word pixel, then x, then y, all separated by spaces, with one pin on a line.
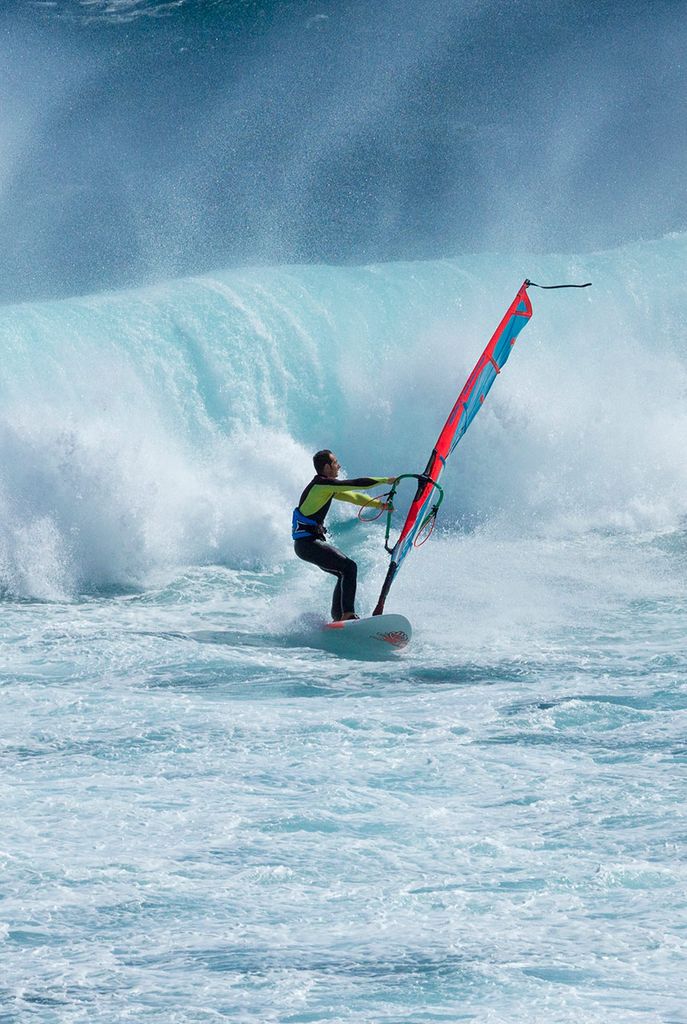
pixel 173 426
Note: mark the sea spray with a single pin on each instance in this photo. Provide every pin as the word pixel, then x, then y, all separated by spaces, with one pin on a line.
pixel 172 426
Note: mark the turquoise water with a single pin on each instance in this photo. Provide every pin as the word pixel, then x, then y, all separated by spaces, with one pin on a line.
pixel 206 818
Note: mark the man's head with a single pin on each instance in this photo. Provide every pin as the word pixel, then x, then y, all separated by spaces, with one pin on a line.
pixel 326 464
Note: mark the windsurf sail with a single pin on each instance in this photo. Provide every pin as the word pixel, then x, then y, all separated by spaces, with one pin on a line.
pixel 425 504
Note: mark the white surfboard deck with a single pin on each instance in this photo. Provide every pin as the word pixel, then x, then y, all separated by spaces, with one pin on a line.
pixel 383 632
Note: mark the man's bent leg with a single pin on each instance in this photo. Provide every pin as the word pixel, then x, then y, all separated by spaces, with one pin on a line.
pixel 330 559
pixel 349 584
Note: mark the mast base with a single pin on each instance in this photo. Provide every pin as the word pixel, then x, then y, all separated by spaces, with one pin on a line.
pixel 391 572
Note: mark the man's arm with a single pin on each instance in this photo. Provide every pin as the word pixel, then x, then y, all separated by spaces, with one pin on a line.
pixel 361 481
pixel 320 493
pixel 358 498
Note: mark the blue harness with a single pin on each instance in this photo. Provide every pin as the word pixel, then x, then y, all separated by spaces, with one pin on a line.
pixel 302 526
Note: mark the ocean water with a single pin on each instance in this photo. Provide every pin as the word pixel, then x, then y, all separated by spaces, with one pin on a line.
pixel 206 817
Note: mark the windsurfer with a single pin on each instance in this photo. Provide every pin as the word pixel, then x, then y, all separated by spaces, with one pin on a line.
pixel 309 532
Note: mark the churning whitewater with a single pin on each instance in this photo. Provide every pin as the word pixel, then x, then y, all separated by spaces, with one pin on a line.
pixel 149 430
pixel 205 818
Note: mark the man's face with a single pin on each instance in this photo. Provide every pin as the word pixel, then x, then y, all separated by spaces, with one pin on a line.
pixel 333 468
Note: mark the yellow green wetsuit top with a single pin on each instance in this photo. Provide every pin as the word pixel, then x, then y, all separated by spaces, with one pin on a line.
pixel 315 501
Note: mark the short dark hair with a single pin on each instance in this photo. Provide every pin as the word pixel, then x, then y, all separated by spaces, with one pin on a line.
pixel 322 459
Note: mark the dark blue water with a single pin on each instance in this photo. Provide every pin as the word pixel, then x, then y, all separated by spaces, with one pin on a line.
pixel 144 140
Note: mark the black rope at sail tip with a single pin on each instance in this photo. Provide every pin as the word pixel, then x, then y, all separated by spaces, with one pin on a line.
pixel 532 284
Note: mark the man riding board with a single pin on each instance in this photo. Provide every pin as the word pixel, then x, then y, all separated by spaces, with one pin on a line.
pixel 309 533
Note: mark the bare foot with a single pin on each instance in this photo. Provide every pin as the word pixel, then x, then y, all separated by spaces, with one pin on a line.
pixel 348 616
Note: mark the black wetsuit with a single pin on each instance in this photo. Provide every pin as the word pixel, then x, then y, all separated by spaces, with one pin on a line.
pixel 314 505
